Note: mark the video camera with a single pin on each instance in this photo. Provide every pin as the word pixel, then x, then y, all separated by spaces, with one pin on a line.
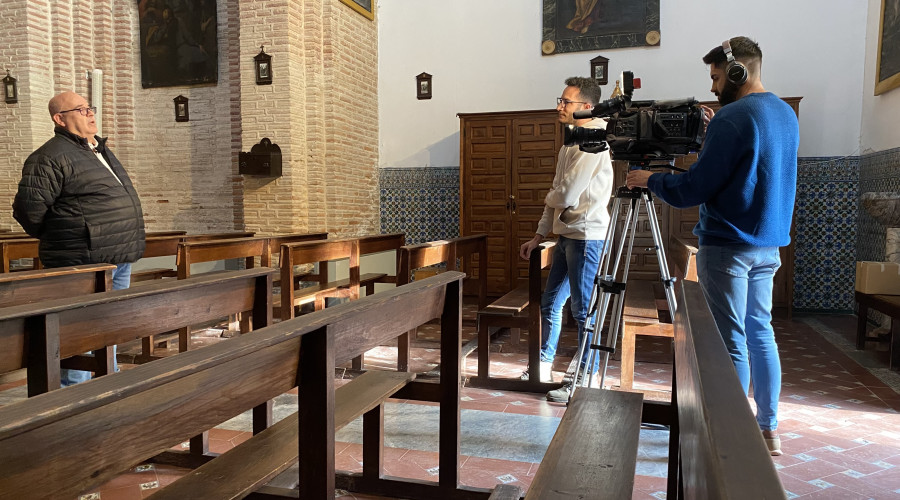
pixel 641 131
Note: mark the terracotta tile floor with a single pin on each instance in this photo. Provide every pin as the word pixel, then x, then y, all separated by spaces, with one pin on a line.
pixel 840 425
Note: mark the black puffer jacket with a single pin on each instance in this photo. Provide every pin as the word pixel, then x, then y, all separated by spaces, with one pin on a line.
pixel 70 201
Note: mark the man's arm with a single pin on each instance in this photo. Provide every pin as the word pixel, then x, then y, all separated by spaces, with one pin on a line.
pixel 38 190
pixel 713 169
pixel 544 227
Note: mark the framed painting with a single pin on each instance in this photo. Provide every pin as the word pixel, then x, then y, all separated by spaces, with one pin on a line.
pixel 179 43
pixel 364 7
pixel 887 74
pixel 582 25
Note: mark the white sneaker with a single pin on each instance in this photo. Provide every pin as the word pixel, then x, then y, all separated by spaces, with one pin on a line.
pixel 546 372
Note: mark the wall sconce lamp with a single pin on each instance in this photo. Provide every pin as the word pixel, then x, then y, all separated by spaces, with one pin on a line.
pixel 182 112
pixel 263 64
pixel 423 86
pixel 600 70
pixel 10 89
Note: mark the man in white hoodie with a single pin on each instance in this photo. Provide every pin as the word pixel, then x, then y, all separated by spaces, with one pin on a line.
pixel 576 210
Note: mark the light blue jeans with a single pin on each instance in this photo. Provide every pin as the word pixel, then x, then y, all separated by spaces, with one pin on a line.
pixel 737 282
pixel 572 274
pixel 121 279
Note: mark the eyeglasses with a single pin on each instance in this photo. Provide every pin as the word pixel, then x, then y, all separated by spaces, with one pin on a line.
pixel 566 102
pixel 83 111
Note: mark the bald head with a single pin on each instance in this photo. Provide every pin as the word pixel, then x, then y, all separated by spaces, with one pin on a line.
pixel 66 112
pixel 66 100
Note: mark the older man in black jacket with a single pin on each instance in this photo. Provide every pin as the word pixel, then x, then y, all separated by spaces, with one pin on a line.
pixel 77 199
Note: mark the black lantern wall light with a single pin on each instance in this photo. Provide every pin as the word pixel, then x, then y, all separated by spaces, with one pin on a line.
pixel 263 63
pixel 10 89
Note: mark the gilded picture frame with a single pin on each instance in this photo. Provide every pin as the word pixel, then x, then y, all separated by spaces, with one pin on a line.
pixel 887 67
pixel 590 25
pixel 364 7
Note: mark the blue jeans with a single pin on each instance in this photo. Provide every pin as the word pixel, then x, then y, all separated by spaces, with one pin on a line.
pixel 737 282
pixel 121 279
pixel 572 272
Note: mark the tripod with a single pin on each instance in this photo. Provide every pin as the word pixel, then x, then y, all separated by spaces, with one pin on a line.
pixel 608 290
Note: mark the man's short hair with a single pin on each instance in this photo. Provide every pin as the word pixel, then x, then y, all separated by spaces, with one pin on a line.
pixel 742 48
pixel 587 87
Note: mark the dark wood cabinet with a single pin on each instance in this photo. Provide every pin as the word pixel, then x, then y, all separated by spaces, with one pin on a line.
pixel 507 162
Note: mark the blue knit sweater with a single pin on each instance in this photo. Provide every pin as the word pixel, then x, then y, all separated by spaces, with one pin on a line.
pixel 745 178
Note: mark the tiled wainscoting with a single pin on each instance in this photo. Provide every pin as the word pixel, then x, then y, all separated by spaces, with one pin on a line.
pixel 831 230
pixel 825 233
pixel 421 202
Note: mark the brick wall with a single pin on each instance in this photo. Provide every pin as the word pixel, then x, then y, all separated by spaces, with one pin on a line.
pixel 321 110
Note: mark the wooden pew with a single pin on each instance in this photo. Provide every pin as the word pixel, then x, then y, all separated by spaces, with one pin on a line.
pixel 38 335
pixel 716 443
pixel 449 252
pixel 166 245
pixel 518 309
pixel 211 248
pixel 46 284
pixel 18 248
pixel 321 252
pixel 593 453
pixel 43 336
pixel 379 243
pixel 646 311
pixel 888 305
pixel 166 401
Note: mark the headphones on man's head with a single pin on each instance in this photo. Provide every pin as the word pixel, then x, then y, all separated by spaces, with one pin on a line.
pixel 735 71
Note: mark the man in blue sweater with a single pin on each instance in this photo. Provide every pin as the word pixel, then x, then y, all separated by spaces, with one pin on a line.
pixel 744 181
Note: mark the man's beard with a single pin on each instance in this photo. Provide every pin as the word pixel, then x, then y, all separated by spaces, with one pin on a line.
pixel 728 94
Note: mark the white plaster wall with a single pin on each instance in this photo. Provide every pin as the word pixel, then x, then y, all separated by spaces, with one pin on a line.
pixel 879 118
pixel 485 56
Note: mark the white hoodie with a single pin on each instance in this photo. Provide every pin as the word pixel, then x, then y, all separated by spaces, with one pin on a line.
pixel 583 184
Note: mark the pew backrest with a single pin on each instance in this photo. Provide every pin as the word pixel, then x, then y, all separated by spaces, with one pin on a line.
pixel 45 284
pixel 318 252
pixel 723 455
pixel 37 335
pixel 450 252
pixel 18 248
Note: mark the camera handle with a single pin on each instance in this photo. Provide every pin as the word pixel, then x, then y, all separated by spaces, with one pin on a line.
pixel 607 290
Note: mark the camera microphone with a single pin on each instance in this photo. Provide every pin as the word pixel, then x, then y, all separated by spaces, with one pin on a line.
pixel 582 114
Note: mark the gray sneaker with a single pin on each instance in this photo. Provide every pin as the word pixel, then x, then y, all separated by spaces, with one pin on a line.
pixel 561 395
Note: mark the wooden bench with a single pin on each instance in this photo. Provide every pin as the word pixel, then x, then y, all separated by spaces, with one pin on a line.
pixel 368 247
pixel 45 284
pixel 520 309
pixel 448 252
pixel 716 445
pixel 42 337
pixel 38 335
pixel 646 311
pixel 18 248
pixel 163 244
pixel 593 453
pixel 886 304
pixel 157 405
pixel 212 248
pixel 317 252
